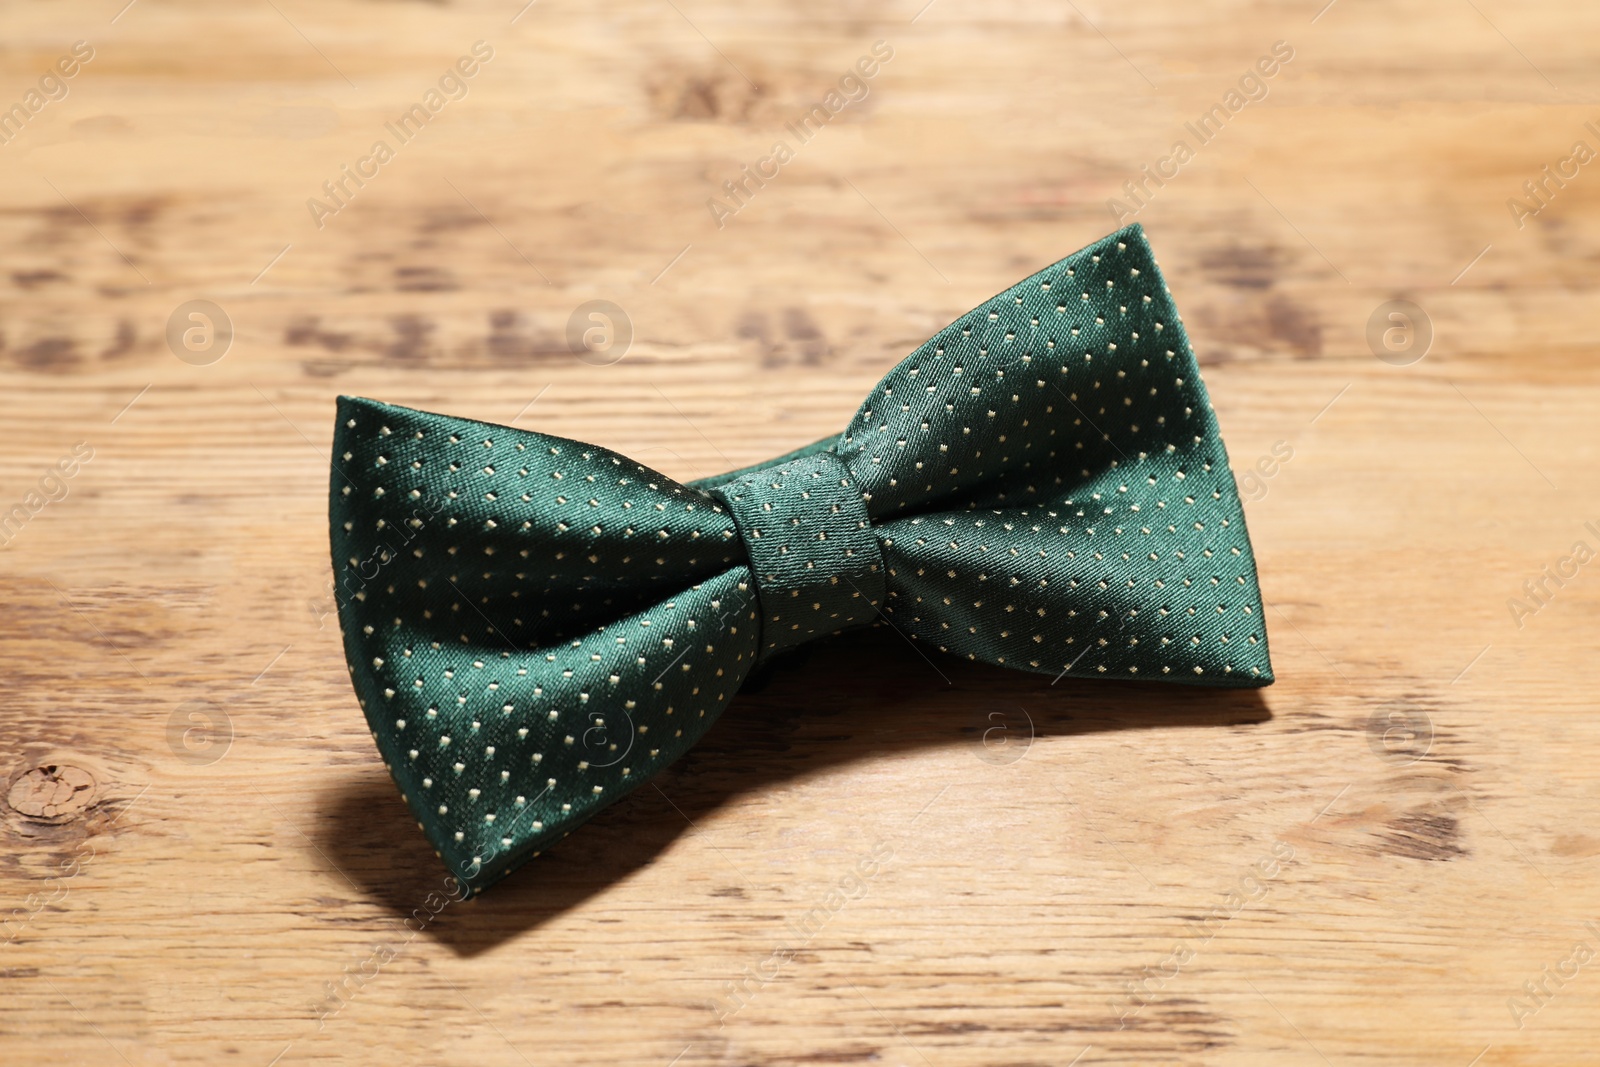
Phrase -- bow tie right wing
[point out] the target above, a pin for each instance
(1051, 489)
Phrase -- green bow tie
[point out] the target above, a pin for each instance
(535, 626)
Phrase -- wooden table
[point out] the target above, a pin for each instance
(1379, 860)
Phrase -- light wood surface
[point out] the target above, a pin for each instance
(898, 864)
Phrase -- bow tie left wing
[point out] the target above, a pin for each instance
(533, 626)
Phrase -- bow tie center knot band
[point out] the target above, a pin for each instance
(812, 548)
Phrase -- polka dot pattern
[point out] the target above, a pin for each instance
(1051, 489)
(534, 626)
(811, 546)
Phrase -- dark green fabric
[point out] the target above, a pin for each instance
(534, 626)
(811, 547)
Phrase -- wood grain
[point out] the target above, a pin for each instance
(873, 859)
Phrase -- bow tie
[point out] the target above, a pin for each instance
(535, 626)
